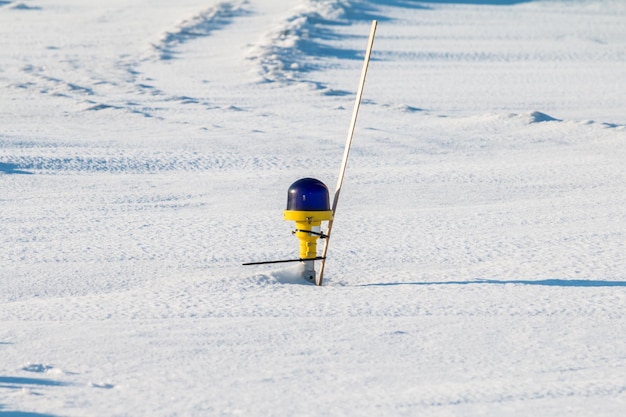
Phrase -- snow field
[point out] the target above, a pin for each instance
(477, 263)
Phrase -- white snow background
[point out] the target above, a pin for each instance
(477, 262)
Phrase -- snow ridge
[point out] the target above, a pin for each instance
(201, 24)
(286, 51)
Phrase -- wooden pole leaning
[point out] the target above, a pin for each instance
(346, 152)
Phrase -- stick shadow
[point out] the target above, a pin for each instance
(553, 282)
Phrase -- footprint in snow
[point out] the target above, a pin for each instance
(101, 386)
(37, 368)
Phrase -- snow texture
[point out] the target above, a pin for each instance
(477, 263)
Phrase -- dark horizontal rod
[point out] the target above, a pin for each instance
(322, 235)
(317, 258)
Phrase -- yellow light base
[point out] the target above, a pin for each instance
(308, 221)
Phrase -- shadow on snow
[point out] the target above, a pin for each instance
(11, 169)
(585, 283)
(22, 414)
(312, 31)
(19, 382)
(11, 382)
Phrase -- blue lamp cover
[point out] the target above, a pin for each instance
(308, 194)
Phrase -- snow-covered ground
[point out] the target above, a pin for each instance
(477, 265)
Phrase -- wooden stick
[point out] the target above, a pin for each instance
(346, 152)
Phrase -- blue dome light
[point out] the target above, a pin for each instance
(308, 194)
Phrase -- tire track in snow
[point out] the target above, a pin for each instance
(200, 25)
(61, 160)
(117, 83)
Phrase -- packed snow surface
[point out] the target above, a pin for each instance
(477, 260)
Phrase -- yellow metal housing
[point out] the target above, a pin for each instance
(307, 221)
(308, 216)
